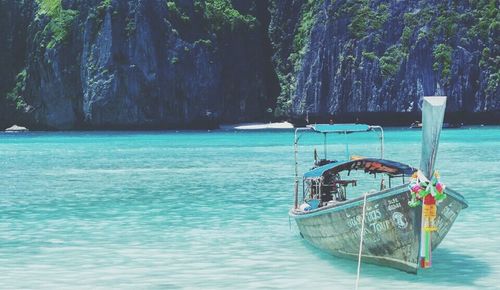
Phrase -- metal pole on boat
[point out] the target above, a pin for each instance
(346, 147)
(324, 144)
(295, 149)
(381, 143)
(432, 123)
(381, 136)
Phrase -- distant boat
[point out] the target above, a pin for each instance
(397, 232)
(452, 125)
(258, 126)
(16, 128)
(418, 125)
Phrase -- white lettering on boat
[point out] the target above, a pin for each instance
(373, 215)
(440, 224)
(381, 226)
(371, 236)
(449, 214)
(393, 204)
(353, 222)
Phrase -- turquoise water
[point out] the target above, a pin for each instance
(171, 210)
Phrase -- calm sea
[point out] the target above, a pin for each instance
(172, 210)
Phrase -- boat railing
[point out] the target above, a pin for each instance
(380, 132)
(338, 129)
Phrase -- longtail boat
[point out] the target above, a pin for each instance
(396, 224)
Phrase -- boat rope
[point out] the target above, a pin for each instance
(361, 240)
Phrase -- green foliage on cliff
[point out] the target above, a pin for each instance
(493, 82)
(15, 95)
(445, 24)
(60, 20)
(360, 22)
(97, 15)
(485, 15)
(442, 57)
(303, 31)
(105, 4)
(284, 100)
(50, 7)
(299, 48)
(391, 60)
(415, 23)
(490, 64)
(221, 14)
(177, 13)
(101, 8)
(369, 55)
(486, 26)
(364, 18)
(205, 42)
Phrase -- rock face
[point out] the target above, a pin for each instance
(14, 21)
(142, 64)
(105, 64)
(338, 57)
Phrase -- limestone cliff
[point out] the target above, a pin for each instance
(357, 56)
(137, 64)
(104, 64)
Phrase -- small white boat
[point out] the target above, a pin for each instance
(258, 126)
(16, 128)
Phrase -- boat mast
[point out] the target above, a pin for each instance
(432, 122)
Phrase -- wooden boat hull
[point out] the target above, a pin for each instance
(392, 228)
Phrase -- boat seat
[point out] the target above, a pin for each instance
(339, 193)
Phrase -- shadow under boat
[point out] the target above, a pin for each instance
(451, 268)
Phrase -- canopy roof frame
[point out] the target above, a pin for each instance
(371, 165)
(340, 128)
(345, 129)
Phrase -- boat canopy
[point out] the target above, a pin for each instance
(340, 128)
(371, 165)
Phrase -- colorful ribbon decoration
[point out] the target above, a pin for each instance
(420, 187)
(430, 193)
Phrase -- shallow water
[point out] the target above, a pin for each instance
(172, 210)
